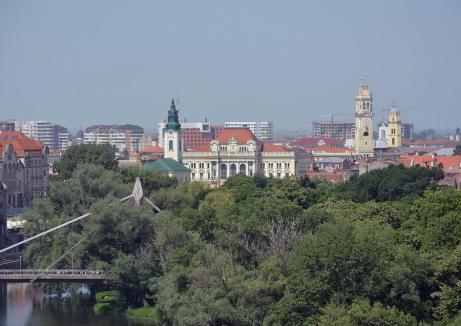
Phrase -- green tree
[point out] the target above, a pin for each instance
(389, 184)
(86, 153)
(363, 313)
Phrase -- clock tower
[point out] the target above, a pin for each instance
(364, 142)
(172, 135)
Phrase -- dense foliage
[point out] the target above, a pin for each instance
(382, 249)
(85, 153)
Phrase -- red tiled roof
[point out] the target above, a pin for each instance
(153, 150)
(201, 149)
(272, 148)
(447, 163)
(20, 142)
(241, 135)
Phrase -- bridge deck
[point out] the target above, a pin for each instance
(27, 275)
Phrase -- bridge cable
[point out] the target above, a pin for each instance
(57, 260)
(53, 229)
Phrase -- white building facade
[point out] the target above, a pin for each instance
(52, 135)
(263, 130)
(124, 137)
(237, 150)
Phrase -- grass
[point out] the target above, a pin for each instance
(107, 302)
(103, 308)
(145, 315)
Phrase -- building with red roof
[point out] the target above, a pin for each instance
(23, 169)
(152, 153)
(238, 150)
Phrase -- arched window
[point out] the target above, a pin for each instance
(233, 169)
(365, 134)
(223, 171)
(170, 145)
(242, 169)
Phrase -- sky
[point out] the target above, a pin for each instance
(84, 62)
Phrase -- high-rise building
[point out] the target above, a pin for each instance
(364, 142)
(262, 130)
(335, 130)
(124, 137)
(407, 130)
(52, 135)
(7, 125)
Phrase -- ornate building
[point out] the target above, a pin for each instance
(237, 150)
(232, 151)
(364, 142)
(23, 169)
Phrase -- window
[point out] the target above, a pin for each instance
(170, 145)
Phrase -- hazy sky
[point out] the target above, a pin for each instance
(83, 62)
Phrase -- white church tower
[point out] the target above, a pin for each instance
(172, 136)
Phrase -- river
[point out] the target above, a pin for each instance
(22, 304)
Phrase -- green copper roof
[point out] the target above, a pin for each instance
(173, 120)
(166, 165)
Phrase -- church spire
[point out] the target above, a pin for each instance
(173, 120)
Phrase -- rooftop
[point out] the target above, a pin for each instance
(241, 135)
(166, 165)
(20, 142)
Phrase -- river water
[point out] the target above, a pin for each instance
(22, 304)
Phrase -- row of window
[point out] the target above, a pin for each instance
(279, 165)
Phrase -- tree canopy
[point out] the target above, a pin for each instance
(380, 249)
(85, 154)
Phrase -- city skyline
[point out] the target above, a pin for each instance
(77, 64)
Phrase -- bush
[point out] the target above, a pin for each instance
(145, 315)
(108, 297)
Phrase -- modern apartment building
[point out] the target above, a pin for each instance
(262, 130)
(54, 136)
(124, 137)
(335, 130)
(7, 125)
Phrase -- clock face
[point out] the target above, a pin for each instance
(170, 131)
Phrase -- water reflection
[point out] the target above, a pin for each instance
(24, 304)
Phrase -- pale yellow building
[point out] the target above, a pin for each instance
(237, 150)
(364, 142)
(394, 126)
